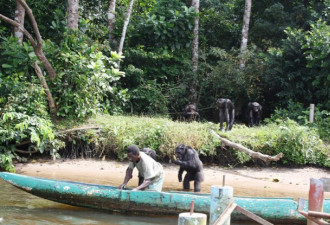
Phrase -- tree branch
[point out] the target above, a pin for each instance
(23, 143)
(15, 24)
(75, 129)
(26, 152)
(37, 46)
(33, 21)
(253, 154)
(51, 102)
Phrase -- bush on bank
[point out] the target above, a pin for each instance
(300, 145)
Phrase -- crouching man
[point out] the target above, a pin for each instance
(151, 170)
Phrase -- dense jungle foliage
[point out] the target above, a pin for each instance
(287, 68)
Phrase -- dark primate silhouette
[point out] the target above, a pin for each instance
(226, 113)
(190, 113)
(255, 113)
(188, 160)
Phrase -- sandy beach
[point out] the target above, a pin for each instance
(246, 181)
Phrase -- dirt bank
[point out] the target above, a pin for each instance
(266, 182)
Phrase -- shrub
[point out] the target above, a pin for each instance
(300, 145)
(300, 114)
(161, 134)
(86, 76)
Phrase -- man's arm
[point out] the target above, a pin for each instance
(128, 176)
(145, 184)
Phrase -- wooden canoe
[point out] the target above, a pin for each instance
(279, 210)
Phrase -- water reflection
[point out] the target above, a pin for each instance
(20, 208)
(39, 216)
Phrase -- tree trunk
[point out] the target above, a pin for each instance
(193, 87)
(195, 4)
(73, 14)
(253, 154)
(123, 34)
(245, 32)
(111, 20)
(19, 18)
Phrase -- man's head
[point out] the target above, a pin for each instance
(133, 153)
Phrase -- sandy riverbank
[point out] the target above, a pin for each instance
(266, 182)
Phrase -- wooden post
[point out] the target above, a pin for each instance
(319, 214)
(326, 184)
(221, 197)
(252, 216)
(192, 219)
(311, 113)
(315, 197)
(224, 216)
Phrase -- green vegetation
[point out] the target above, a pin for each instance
(300, 145)
(160, 134)
(287, 69)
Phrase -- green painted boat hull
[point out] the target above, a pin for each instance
(279, 210)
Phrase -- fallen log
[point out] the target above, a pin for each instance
(253, 154)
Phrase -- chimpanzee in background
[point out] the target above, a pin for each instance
(190, 113)
(226, 113)
(188, 160)
(254, 113)
(152, 154)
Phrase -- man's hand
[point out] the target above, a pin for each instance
(122, 186)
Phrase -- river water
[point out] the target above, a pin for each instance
(20, 208)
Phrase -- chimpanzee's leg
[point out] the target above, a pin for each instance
(187, 178)
(227, 118)
(198, 179)
(258, 118)
(197, 186)
(221, 118)
(251, 118)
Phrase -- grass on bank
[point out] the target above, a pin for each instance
(300, 145)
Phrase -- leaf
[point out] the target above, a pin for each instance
(32, 54)
(6, 66)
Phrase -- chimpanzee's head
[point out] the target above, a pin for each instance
(180, 150)
(149, 152)
(255, 106)
(221, 102)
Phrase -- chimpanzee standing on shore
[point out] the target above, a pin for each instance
(188, 160)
